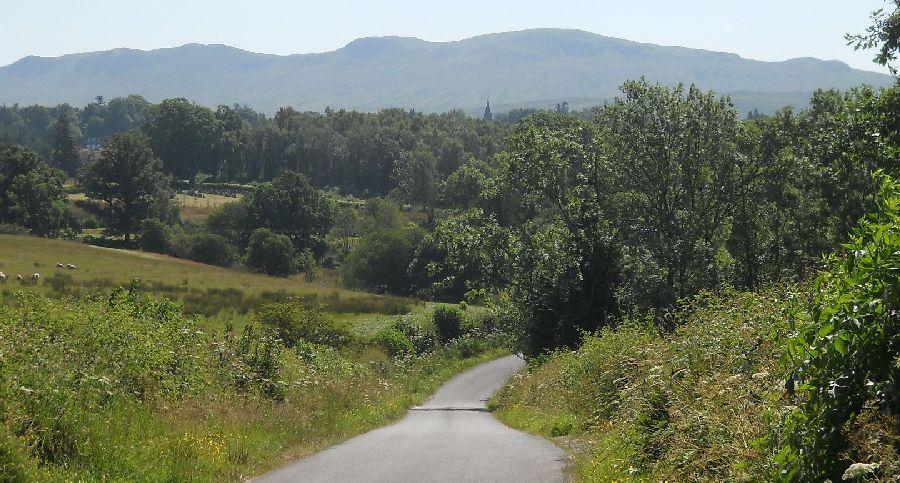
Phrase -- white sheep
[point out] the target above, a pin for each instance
(19, 277)
(59, 265)
(35, 277)
(71, 267)
(2, 277)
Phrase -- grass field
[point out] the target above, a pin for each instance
(220, 294)
(198, 209)
(192, 207)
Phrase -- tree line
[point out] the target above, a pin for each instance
(391, 152)
(575, 218)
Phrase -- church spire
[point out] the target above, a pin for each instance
(487, 112)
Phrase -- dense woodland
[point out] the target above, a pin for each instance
(652, 198)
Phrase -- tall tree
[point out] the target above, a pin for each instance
(31, 192)
(289, 205)
(131, 182)
(184, 136)
(64, 151)
(676, 157)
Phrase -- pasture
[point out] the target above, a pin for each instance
(192, 208)
(197, 209)
(221, 295)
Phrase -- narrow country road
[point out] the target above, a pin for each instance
(450, 438)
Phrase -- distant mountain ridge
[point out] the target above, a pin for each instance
(531, 67)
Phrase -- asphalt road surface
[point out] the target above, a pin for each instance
(450, 438)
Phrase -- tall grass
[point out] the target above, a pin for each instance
(120, 386)
(702, 403)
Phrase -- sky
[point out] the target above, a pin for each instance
(770, 30)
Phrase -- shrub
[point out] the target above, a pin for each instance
(211, 249)
(260, 357)
(270, 253)
(90, 223)
(847, 357)
(153, 236)
(448, 321)
(394, 342)
(13, 229)
(292, 322)
(422, 340)
(381, 260)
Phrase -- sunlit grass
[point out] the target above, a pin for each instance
(219, 293)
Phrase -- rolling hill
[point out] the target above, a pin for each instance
(535, 68)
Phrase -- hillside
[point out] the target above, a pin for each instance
(222, 294)
(533, 67)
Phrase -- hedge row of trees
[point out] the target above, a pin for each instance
(664, 193)
(397, 152)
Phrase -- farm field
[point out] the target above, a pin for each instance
(198, 209)
(192, 208)
(221, 295)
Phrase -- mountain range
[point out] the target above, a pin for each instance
(529, 68)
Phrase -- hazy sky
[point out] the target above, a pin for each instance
(756, 29)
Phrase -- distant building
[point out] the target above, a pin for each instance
(93, 143)
(487, 112)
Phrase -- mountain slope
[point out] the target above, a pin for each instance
(541, 66)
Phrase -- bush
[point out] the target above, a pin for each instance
(380, 261)
(211, 249)
(422, 340)
(846, 358)
(153, 236)
(90, 223)
(448, 321)
(270, 253)
(13, 229)
(394, 342)
(292, 322)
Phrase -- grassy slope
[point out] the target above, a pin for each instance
(700, 404)
(201, 285)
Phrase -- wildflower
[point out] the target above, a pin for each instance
(859, 470)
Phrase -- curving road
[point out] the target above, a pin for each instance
(450, 438)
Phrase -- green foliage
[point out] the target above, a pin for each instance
(449, 322)
(270, 253)
(130, 180)
(64, 151)
(154, 236)
(883, 34)
(292, 321)
(119, 387)
(704, 402)
(464, 187)
(380, 261)
(232, 221)
(394, 342)
(258, 363)
(183, 135)
(60, 364)
(288, 205)
(563, 257)
(422, 340)
(211, 249)
(31, 193)
(382, 214)
(845, 358)
(680, 188)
